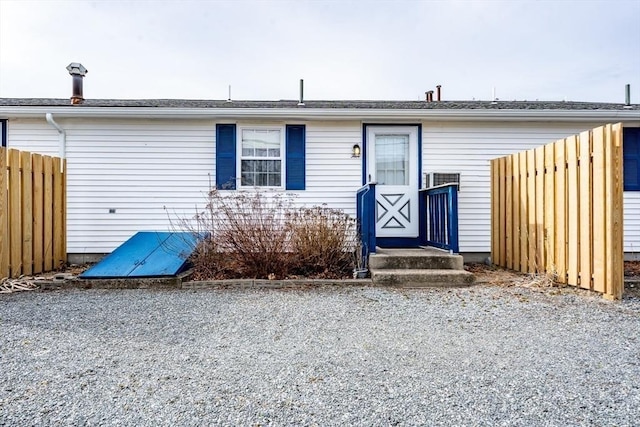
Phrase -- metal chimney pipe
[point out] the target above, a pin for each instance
(301, 100)
(438, 92)
(77, 72)
(627, 95)
(429, 96)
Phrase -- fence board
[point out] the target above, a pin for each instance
(26, 196)
(549, 208)
(531, 208)
(38, 212)
(32, 213)
(524, 214)
(59, 250)
(516, 213)
(558, 210)
(48, 213)
(495, 238)
(502, 210)
(584, 166)
(561, 211)
(539, 172)
(508, 237)
(599, 220)
(4, 215)
(15, 216)
(573, 207)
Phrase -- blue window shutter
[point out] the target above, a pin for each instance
(295, 165)
(226, 157)
(631, 166)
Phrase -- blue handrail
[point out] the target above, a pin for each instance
(442, 216)
(366, 215)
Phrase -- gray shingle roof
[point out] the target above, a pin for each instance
(375, 105)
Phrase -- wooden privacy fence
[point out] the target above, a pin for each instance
(32, 213)
(557, 210)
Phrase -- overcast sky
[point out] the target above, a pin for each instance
(579, 50)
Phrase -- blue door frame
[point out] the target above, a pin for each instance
(399, 242)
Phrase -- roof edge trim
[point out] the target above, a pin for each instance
(318, 114)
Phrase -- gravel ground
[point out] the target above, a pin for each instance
(484, 355)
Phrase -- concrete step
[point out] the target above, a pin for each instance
(422, 278)
(427, 258)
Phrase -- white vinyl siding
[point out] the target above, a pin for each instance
(139, 167)
(333, 176)
(152, 173)
(135, 167)
(632, 223)
(35, 135)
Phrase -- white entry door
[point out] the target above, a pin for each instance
(392, 162)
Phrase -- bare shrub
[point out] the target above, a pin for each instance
(208, 262)
(324, 242)
(248, 235)
(255, 235)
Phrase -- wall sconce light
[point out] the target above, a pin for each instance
(355, 151)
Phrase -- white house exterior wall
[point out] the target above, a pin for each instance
(33, 135)
(333, 176)
(140, 166)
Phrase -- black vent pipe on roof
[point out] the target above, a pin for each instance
(627, 95)
(429, 95)
(301, 100)
(77, 72)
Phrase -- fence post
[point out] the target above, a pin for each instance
(614, 190)
(453, 219)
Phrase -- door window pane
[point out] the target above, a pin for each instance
(392, 159)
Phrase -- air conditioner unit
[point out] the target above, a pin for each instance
(433, 179)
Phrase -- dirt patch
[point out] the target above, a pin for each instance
(496, 276)
(632, 269)
(492, 275)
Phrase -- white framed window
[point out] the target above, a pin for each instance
(261, 156)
